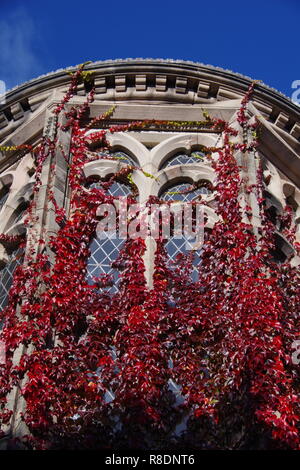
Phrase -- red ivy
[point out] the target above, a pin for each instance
(98, 367)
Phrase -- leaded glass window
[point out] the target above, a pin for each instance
(118, 155)
(20, 212)
(182, 247)
(117, 189)
(6, 275)
(106, 248)
(185, 159)
(184, 192)
(103, 253)
(176, 247)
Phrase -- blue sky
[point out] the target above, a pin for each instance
(258, 38)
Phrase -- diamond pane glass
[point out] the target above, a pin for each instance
(116, 189)
(182, 192)
(6, 275)
(179, 246)
(184, 159)
(104, 251)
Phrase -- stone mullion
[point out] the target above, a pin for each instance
(248, 163)
(58, 179)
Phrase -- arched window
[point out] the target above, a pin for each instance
(186, 192)
(181, 248)
(117, 189)
(4, 193)
(20, 212)
(282, 249)
(6, 274)
(274, 212)
(106, 247)
(185, 159)
(118, 155)
(273, 208)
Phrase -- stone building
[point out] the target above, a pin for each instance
(141, 89)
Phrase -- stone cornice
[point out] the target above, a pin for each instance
(155, 81)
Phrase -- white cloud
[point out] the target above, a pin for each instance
(18, 61)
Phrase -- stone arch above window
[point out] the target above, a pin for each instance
(102, 168)
(17, 185)
(116, 189)
(123, 157)
(14, 214)
(274, 182)
(183, 143)
(123, 142)
(191, 174)
(98, 170)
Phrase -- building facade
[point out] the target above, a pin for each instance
(165, 93)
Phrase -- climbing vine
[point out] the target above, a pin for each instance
(96, 368)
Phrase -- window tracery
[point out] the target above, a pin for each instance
(15, 195)
(191, 184)
(280, 194)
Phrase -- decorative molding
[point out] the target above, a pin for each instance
(50, 127)
(154, 80)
